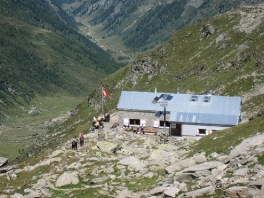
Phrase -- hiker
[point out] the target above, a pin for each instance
(81, 139)
(74, 143)
(100, 119)
(94, 120)
(107, 117)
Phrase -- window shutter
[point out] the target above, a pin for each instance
(156, 123)
(142, 122)
(126, 121)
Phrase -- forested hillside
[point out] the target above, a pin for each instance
(41, 54)
(140, 25)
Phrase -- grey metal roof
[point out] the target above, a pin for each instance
(219, 110)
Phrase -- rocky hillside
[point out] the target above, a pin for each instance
(118, 163)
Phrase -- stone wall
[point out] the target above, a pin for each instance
(150, 117)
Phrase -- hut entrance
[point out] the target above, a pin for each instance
(176, 129)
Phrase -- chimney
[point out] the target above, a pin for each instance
(178, 90)
(210, 92)
(155, 90)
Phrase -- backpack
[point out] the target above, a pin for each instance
(73, 141)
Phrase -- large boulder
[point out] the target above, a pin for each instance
(67, 178)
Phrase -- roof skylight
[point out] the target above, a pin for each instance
(194, 98)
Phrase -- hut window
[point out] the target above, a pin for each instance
(134, 121)
(202, 131)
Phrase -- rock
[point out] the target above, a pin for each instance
(149, 175)
(56, 153)
(106, 146)
(183, 187)
(35, 194)
(157, 155)
(67, 178)
(205, 166)
(17, 195)
(243, 147)
(185, 177)
(203, 191)
(74, 165)
(157, 190)
(3, 161)
(99, 180)
(207, 30)
(180, 165)
(172, 192)
(259, 184)
(112, 177)
(199, 158)
(241, 172)
(223, 158)
(219, 38)
(214, 155)
(236, 191)
(109, 170)
(123, 194)
(132, 162)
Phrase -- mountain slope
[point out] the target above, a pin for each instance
(223, 54)
(42, 55)
(133, 26)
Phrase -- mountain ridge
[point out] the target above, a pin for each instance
(141, 25)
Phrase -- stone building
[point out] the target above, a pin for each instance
(185, 114)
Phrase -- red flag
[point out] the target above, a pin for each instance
(104, 93)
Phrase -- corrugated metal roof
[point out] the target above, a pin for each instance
(219, 109)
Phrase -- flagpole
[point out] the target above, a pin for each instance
(102, 102)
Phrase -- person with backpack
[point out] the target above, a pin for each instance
(74, 143)
(81, 139)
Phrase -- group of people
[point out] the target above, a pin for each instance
(99, 121)
(138, 130)
(75, 141)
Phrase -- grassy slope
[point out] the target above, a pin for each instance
(48, 64)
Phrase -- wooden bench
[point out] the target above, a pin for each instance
(151, 131)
